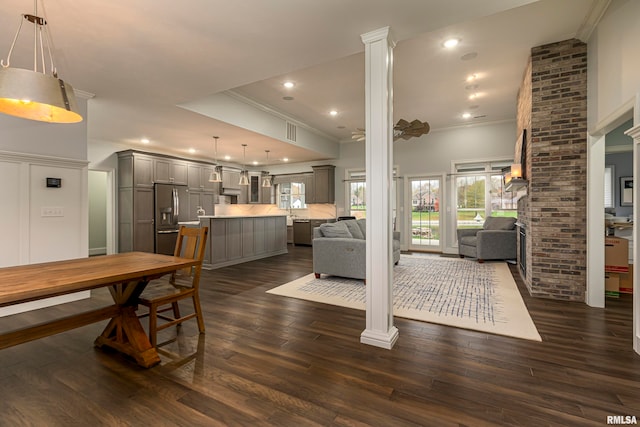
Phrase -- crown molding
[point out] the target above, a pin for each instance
(592, 19)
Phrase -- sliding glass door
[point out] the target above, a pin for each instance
(424, 215)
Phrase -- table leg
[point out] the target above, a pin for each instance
(124, 332)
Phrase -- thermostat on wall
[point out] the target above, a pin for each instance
(54, 182)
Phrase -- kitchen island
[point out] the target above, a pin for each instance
(237, 239)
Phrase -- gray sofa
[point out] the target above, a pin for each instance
(495, 240)
(339, 249)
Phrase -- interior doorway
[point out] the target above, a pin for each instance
(101, 212)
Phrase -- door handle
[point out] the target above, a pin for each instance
(167, 231)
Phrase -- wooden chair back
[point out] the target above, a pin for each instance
(191, 243)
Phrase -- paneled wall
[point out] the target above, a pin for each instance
(42, 223)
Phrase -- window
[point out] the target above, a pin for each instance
(480, 193)
(297, 195)
(357, 194)
(608, 187)
(356, 190)
(291, 195)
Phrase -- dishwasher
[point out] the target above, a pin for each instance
(301, 232)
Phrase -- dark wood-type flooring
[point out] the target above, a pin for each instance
(271, 360)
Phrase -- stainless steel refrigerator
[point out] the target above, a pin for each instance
(171, 207)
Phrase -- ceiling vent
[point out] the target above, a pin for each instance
(291, 132)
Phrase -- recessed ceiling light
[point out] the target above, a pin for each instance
(288, 98)
(466, 115)
(255, 162)
(286, 159)
(288, 85)
(473, 96)
(333, 113)
(192, 150)
(144, 140)
(451, 43)
(472, 77)
(227, 157)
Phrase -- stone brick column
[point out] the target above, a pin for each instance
(552, 107)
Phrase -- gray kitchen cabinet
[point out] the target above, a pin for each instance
(324, 190)
(136, 230)
(230, 178)
(201, 192)
(198, 178)
(254, 188)
(234, 240)
(170, 171)
(259, 237)
(289, 233)
(309, 190)
(248, 231)
(202, 199)
(265, 194)
(142, 170)
(217, 240)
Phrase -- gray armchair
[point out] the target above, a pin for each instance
(339, 249)
(495, 240)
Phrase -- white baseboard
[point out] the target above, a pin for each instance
(97, 251)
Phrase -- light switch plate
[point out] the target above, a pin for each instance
(52, 211)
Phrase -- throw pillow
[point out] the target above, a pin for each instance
(335, 229)
(499, 223)
(354, 229)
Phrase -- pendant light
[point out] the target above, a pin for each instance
(244, 178)
(215, 176)
(37, 94)
(266, 181)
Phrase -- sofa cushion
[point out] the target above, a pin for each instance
(468, 240)
(354, 229)
(499, 223)
(335, 229)
(362, 223)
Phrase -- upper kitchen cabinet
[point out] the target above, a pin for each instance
(135, 170)
(170, 171)
(254, 187)
(198, 178)
(324, 184)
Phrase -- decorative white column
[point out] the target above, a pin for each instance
(379, 45)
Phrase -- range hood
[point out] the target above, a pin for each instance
(226, 191)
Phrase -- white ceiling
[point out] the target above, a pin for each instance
(142, 59)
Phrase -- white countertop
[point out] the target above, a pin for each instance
(239, 216)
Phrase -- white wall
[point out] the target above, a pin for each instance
(30, 152)
(433, 154)
(614, 79)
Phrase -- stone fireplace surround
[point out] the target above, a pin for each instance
(552, 108)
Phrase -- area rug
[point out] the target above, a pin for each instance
(448, 291)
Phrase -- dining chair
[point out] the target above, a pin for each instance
(162, 295)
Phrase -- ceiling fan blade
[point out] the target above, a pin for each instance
(402, 123)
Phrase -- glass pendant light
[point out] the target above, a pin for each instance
(266, 181)
(244, 175)
(37, 94)
(216, 176)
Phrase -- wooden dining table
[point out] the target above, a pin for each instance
(125, 274)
